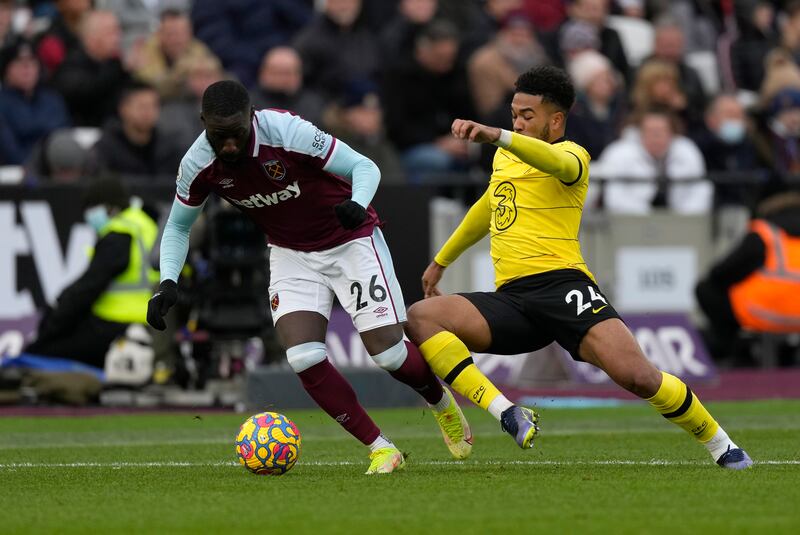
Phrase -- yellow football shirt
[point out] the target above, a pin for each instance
(532, 216)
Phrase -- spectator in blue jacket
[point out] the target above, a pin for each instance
(239, 32)
(28, 111)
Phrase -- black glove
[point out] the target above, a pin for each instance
(161, 302)
(350, 214)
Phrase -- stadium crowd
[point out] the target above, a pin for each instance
(668, 91)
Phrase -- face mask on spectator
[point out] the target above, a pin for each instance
(731, 131)
(96, 216)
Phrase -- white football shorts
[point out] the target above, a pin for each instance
(359, 273)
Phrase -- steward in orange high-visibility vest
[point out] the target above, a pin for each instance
(756, 287)
(769, 299)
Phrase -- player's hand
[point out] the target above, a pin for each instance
(160, 303)
(431, 277)
(350, 214)
(475, 132)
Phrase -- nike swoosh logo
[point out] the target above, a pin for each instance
(478, 400)
(596, 310)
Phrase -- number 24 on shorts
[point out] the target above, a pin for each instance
(578, 296)
(376, 292)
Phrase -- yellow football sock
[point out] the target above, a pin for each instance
(450, 359)
(676, 402)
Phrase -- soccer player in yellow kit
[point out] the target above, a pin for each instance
(545, 291)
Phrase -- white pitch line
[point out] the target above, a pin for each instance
(189, 464)
(96, 440)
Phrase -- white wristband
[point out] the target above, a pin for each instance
(504, 141)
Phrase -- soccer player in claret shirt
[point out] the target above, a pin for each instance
(545, 292)
(289, 178)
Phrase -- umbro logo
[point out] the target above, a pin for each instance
(226, 183)
(381, 311)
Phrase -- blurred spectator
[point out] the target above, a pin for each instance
(58, 159)
(91, 77)
(280, 85)
(494, 68)
(756, 285)
(595, 12)
(133, 144)
(790, 30)
(547, 15)
(397, 38)
(139, 18)
(29, 111)
(632, 8)
(697, 22)
(575, 37)
(240, 32)
(727, 144)
(62, 38)
(658, 84)
(598, 115)
(780, 72)
(180, 116)
(479, 26)
(422, 98)
(162, 55)
(778, 139)
(757, 36)
(337, 47)
(669, 47)
(6, 18)
(358, 121)
(646, 166)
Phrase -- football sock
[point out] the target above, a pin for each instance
(335, 396)
(449, 358)
(719, 444)
(442, 405)
(498, 405)
(416, 373)
(676, 402)
(380, 442)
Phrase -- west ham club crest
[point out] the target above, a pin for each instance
(275, 169)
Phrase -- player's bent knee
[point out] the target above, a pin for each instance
(301, 357)
(422, 323)
(394, 357)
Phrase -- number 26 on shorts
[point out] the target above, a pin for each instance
(376, 292)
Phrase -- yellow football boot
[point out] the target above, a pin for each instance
(386, 461)
(455, 429)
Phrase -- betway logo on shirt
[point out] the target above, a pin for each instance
(260, 200)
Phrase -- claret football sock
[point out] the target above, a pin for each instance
(334, 395)
(677, 403)
(416, 373)
(450, 359)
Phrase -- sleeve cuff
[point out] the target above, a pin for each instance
(504, 141)
(441, 261)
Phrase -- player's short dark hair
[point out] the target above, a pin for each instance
(225, 98)
(550, 83)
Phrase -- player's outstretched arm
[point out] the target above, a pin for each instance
(544, 156)
(473, 227)
(173, 250)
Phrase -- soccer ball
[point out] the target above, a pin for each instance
(268, 443)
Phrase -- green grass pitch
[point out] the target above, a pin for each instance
(611, 470)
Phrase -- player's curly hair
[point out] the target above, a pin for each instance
(225, 98)
(551, 83)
